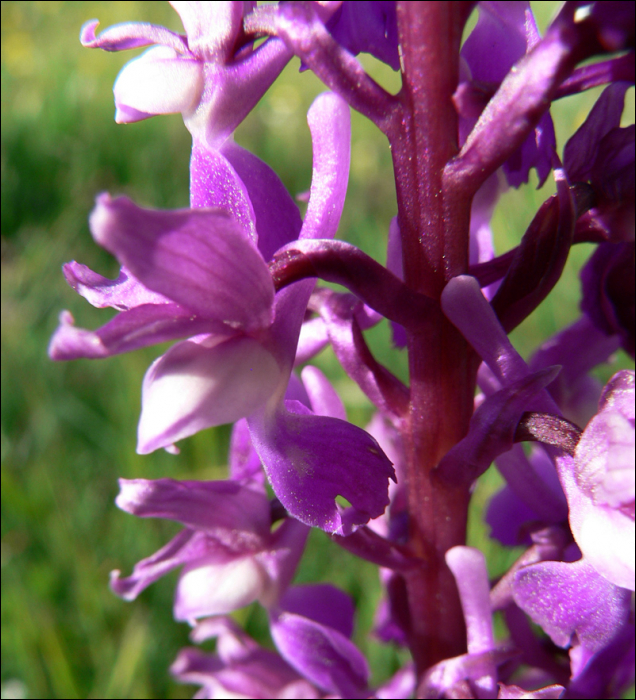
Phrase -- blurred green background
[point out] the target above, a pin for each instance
(69, 430)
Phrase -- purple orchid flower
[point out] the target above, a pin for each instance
(239, 362)
(229, 555)
(235, 276)
(212, 75)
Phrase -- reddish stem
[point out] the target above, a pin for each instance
(434, 222)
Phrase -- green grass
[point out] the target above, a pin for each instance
(69, 430)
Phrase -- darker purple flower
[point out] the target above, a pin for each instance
(367, 27)
(608, 291)
(601, 153)
(505, 32)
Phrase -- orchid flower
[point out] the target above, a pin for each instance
(234, 277)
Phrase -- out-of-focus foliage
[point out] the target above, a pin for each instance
(68, 430)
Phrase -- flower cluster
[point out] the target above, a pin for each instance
(233, 277)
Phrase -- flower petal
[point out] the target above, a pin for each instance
(321, 654)
(214, 183)
(130, 35)
(330, 125)
(567, 599)
(492, 427)
(122, 293)
(212, 27)
(201, 259)
(144, 325)
(277, 218)
(582, 149)
(312, 459)
(160, 81)
(201, 383)
(468, 566)
(210, 588)
(185, 547)
(323, 397)
(322, 603)
(236, 516)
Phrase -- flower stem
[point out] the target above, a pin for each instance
(434, 224)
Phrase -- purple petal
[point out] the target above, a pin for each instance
(330, 126)
(321, 654)
(212, 28)
(581, 151)
(237, 517)
(215, 184)
(201, 383)
(323, 604)
(311, 459)
(578, 348)
(538, 262)
(122, 293)
(599, 485)
(401, 685)
(605, 534)
(277, 218)
(131, 35)
(609, 671)
(323, 397)
(445, 679)
(129, 330)
(240, 668)
(200, 259)
(481, 246)
(618, 395)
(512, 692)
(339, 311)
(608, 298)
(468, 566)
(567, 599)
(498, 40)
(504, 33)
(533, 493)
(185, 547)
(281, 558)
(465, 305)
(233, 89)
(243, 460)
(509, 518)
(369, 27)
(605, 460)
(313, 338)
(160, 81)
(211, 588)
(367, 544)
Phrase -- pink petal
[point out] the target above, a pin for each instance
(201, 383)
(160, 81)
(198, 258)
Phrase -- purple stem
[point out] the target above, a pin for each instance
(343, 263)
(434, 223)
